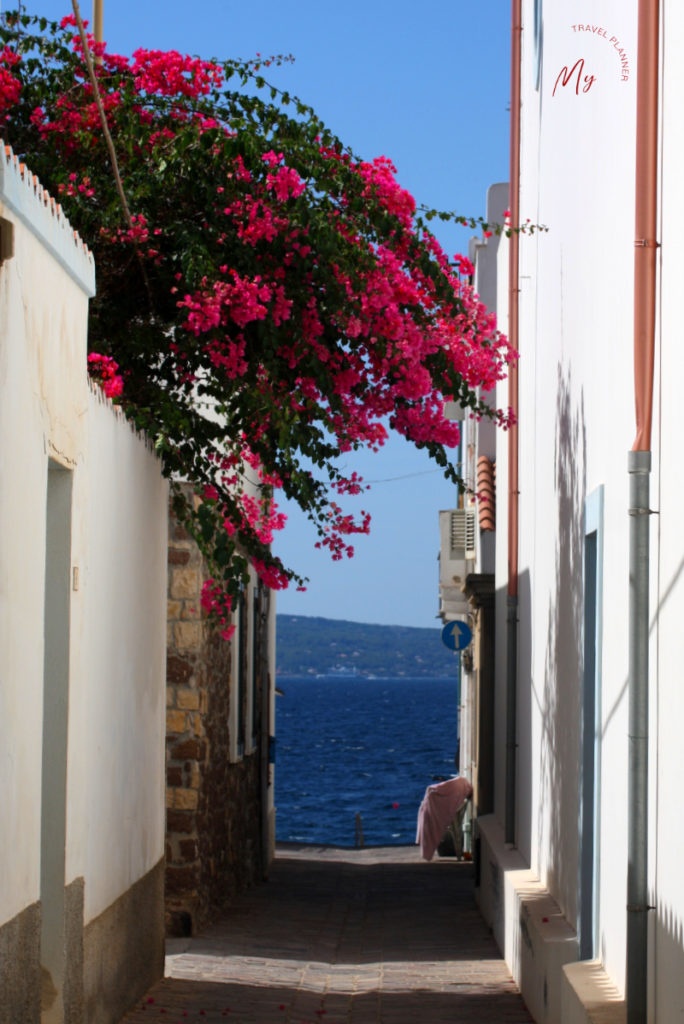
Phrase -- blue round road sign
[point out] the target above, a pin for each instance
(456, 635)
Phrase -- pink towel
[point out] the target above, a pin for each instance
(440, 803)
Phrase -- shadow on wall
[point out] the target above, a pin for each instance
(525, 749)
(561, 696)
(669, 952)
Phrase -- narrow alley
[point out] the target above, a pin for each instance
(360, 936)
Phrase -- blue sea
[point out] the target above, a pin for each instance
(353, 745)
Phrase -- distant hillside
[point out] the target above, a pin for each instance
(307, 645)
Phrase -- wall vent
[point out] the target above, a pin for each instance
(462, 533)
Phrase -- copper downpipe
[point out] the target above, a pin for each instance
(646, 219)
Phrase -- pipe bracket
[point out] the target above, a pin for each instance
(642, 512)
(646, 243)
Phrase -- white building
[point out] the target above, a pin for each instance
(468, 553)
(83, 548)
(553, 854)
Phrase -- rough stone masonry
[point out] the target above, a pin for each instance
(213, 803)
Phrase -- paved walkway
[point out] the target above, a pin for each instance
(354, 936)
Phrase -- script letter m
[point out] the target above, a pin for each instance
(565, 76)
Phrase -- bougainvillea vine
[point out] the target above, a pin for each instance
(271, 301)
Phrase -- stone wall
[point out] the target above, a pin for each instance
(213, 839)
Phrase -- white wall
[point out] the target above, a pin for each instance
(115, 826)
(576, 427)
(116, 766)
(42, 353)
(501, 557)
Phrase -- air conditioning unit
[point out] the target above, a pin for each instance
(457, 546)
(456, 560)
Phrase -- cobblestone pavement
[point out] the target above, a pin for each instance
(354, 936)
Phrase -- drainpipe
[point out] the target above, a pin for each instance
(639, 465)
(513, 295)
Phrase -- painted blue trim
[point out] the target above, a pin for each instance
(590, 756)
(593, 514)
(538, 24)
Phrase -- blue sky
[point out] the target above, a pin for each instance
(428, 86)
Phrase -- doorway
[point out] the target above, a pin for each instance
(590, 753)
(55, 732)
